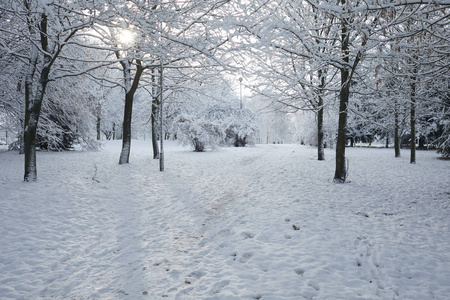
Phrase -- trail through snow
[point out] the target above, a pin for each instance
(262, 222)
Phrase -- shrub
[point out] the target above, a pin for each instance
(198, 132)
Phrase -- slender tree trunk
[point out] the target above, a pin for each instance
(396, 135)
(155, 105)
(161, 89)
(154, 129)
(98, 128)
(320, 133)
(413, 120)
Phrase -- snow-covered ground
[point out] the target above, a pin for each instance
(262, 222)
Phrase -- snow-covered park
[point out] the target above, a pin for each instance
(260, 222)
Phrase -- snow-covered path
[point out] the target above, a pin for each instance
(263, 222)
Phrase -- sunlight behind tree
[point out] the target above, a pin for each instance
(126, 37)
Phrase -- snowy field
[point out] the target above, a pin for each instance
(262, 222)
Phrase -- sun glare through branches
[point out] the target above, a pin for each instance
(126, 37)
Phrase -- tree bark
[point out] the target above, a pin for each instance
(130, 90)
(126, 129)
(396, 135)
(33, 100)
(340, 174)
(320, 133)
(155, 105)
(154, 131)
(98, 128)
(413, 120)
(32, 113)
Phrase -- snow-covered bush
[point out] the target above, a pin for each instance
(240, 125)
(198, 132)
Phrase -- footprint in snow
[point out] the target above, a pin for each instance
(247, 235)
(299, 271)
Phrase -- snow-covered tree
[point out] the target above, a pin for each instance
(148, 37)
(38, 32)
(329, 36)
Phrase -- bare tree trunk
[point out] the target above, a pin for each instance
(126, 129)
(130, 89)
(396, 135)
(341, 170)
(154, 128)
(32, 113)
(347, 70)
(413, 120)
(320, 133)
(161, 89)
(98, 128)
(33, 104)
(155, 105)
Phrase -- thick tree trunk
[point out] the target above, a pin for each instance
(341, 169)
(32, 114)
(340, 174)
(29, 138)
(130, 89)
(33, 104)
